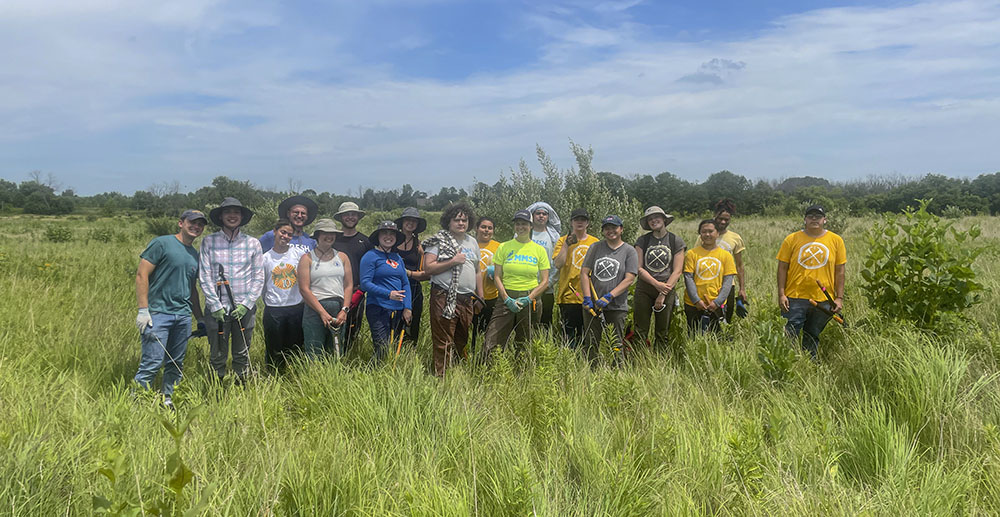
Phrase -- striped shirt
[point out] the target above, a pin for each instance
(243, 265)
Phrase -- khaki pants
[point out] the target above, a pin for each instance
(507, 325)
(449, 337)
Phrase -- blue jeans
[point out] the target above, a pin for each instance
(317, 340)
(385, 326)
(164, 345)
(808, 320)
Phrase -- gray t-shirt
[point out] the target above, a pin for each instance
(608, 268)
(658, 255)
(544, 240)
(470, 268)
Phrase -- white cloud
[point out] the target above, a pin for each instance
(845, 91)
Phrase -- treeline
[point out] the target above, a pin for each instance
(951, 196)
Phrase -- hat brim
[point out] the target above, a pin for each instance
(311, 207)
(216, 215)
(337, 216)
(335, 232)
(373, 237)
(421, 223)
(644, 222)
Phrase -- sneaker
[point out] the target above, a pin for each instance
(168, 403)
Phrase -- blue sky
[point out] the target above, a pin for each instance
(343, 95)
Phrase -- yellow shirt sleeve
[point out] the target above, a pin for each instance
(690, 260)
(785, 253)
(728, 264)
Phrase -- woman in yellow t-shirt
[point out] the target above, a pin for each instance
(521, 274)
(709, 272)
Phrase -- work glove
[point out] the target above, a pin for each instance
(239, 311)
(588, 302)
(603, 301)
(219, 315)
(524, 302)
(143, 320)
(512, 305)
(742, 308)
(489, 272)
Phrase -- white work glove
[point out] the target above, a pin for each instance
(143, 321)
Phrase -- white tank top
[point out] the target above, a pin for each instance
(326, 278)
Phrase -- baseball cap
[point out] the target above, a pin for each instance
(816, 209)
(194, 215)
(579, 213)
(611, 219)
(523, 215)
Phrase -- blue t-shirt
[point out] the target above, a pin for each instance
(302, 242)
(382, 273)
(175, 272)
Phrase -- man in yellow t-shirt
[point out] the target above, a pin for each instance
(487, 247)
(733, 243)
(805, 258)
(568, 256)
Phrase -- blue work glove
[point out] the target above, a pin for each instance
(489, 272)
(588, 302)
(219, 315)
(143, 320)
(525, 302)
(239, 312)
(603, 301)
(512, 305)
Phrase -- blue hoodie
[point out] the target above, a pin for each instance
(382, 273)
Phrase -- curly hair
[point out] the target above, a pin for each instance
(725, 205)
(452, 212)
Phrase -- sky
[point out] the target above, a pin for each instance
(338, 95)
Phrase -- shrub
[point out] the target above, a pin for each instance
(914, 272)
(58, 233)
(102, 235)
(953, 212)
(161, 226)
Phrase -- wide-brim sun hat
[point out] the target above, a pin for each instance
(325, 226)
(311, 207)
(216, 214)
(412, 213)
(651, 211)
(348, 206)
(386, 225)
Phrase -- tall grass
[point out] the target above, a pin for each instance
(890, 421)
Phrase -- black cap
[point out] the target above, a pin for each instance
(523, 215)
(611, 219)
(816, 209)
(579, 213)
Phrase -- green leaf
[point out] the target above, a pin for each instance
(101, 504)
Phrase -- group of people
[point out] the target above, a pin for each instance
(318, 288)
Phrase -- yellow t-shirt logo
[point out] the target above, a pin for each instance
(813, 255)
(485, 258)
(580, 253)
(708, 268)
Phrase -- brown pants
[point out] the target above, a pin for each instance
(449, 337)
(506, 325)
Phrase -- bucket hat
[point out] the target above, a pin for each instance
(651, 211)
(311, 207)
(412, 213)
(386, 225)
(216, 214)
(348, 206)
(325, 226)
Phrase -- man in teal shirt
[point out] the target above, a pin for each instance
(165, 290)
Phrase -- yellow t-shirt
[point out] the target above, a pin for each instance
(569, 274)
(521, 262)
(485, 260)
(709, 267)
(810, 260)
(731, 242)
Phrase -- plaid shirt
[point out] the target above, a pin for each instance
(243, 264)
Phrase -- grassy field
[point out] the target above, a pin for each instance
(890, 421)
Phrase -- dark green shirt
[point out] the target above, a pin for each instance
(175, 272)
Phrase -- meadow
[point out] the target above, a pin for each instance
(890, 421)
